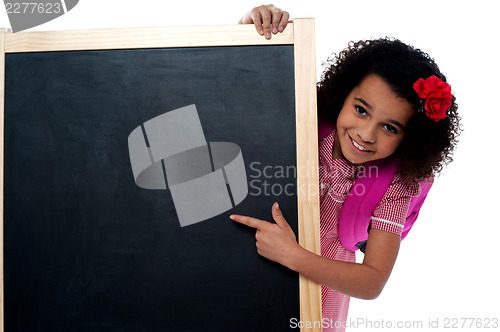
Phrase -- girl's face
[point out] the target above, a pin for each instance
(372, 122)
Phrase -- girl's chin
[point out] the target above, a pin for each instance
(356, 161)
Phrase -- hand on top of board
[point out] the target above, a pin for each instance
(267, 19)
(275, 241)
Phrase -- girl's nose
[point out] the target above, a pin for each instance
(368, 133)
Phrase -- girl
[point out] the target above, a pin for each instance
(387, 100)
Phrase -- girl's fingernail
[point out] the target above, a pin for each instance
(275, 30)
(231, 217)
(276, 205)
(280, 29)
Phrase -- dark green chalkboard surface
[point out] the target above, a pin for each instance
(86, 248)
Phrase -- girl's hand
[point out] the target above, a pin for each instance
(274, 241)
(266, 19)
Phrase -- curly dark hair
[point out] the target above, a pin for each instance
(427, 145)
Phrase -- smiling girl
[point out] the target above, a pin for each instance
(386, 100)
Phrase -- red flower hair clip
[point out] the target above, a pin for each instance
(436, 97)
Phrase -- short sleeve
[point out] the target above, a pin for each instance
(390, 214)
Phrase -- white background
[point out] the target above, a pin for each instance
(448, 266)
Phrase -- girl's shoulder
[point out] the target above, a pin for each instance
(401, 188)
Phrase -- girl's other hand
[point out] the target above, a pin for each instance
(266, 19)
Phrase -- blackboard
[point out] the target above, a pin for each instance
(85, 247)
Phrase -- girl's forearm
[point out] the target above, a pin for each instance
(353, 279)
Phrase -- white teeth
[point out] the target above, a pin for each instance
(359, 146)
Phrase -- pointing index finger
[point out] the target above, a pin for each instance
(249, 221)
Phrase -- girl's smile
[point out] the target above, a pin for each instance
(372, 122)
(359, 147)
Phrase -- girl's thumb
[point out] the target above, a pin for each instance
(278, 216)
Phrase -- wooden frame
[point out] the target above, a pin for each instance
(2, 103)
(300, 34)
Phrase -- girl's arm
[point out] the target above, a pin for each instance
(365, 280)
(277, 242)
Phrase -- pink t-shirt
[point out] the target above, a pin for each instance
(337, 176)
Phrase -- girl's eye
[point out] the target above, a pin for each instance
(391, 129)
(360, 110)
